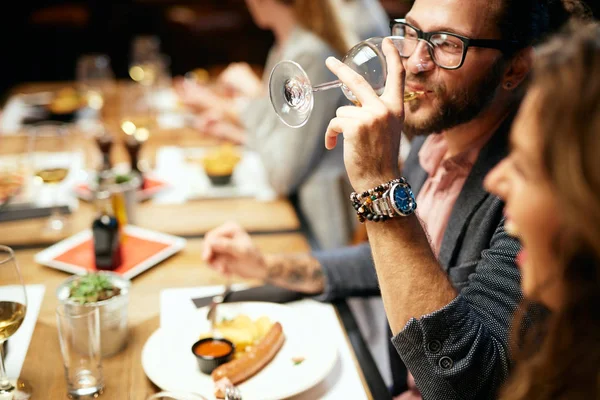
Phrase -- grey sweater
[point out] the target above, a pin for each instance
(295, 159)
(462, 350)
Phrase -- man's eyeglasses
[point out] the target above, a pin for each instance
(447, 50)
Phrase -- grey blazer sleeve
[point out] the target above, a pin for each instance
(462, 350)
(349, 271)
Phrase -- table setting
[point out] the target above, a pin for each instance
(116, 301)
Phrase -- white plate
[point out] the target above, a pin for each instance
(168, 360)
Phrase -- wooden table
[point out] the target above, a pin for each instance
(124, 375)
(125, 378)
(191, 219)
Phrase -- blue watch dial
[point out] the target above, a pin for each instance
(404, 200)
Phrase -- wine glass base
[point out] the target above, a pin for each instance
(21, 391)
(291, 93)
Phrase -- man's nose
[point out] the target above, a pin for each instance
(420, 60)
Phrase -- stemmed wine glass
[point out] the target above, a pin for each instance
(13, 306)
(291, 91)
(53, 155)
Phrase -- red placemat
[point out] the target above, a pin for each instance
(151, 186)
(135, 250)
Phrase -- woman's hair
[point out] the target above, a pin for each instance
(530, 22)
(564, 361)
(319, 17)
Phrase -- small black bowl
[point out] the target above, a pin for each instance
(220, 180)
(208, 363)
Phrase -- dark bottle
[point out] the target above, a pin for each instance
(106, 235)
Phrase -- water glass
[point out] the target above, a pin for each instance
(79, 335)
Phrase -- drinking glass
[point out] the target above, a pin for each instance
(79, 336)
(147, 65)
(14, 168)
(52, 156)
(138, 119)
(291, 91)
(95, 78)
(144, 46)
(13, 306)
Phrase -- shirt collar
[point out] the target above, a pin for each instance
(431, 155)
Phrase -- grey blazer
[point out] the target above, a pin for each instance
(460, 351)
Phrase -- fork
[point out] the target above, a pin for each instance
(232, 393)
(216, 300)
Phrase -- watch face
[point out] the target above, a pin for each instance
(404, 200)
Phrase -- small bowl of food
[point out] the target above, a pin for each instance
(211, 352)
(220, 164)
(65, 103)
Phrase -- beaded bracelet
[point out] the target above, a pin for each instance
(378, 204)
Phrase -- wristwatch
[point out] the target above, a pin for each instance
(399, 200)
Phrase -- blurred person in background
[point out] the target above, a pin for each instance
(550, 184)
(306, 31)
(366, 18)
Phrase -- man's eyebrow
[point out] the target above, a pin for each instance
(438, 29)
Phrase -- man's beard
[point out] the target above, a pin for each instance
(458, 108)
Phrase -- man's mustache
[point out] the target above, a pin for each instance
(422, 81)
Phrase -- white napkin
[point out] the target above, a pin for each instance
(342, 383)
(19, 342)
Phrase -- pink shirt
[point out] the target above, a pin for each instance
(441, 189)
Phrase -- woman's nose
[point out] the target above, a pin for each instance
(496, 181)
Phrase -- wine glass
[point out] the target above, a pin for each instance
(95, 78)
(52, 157)
(291, 91)
(13, 306)
(137, 121)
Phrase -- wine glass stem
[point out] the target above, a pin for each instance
(5, 384)
(54, 212)
(327, 86)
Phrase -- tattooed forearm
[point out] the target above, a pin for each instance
(300, 272)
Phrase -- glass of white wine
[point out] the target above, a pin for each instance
(291, 91)
(52, 156)
(13, 306)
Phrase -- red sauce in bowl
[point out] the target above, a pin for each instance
(212, 348)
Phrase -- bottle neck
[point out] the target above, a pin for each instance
(104, 204)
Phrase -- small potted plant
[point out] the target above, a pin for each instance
(107, 291)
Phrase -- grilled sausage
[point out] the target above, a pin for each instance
(254, 360)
